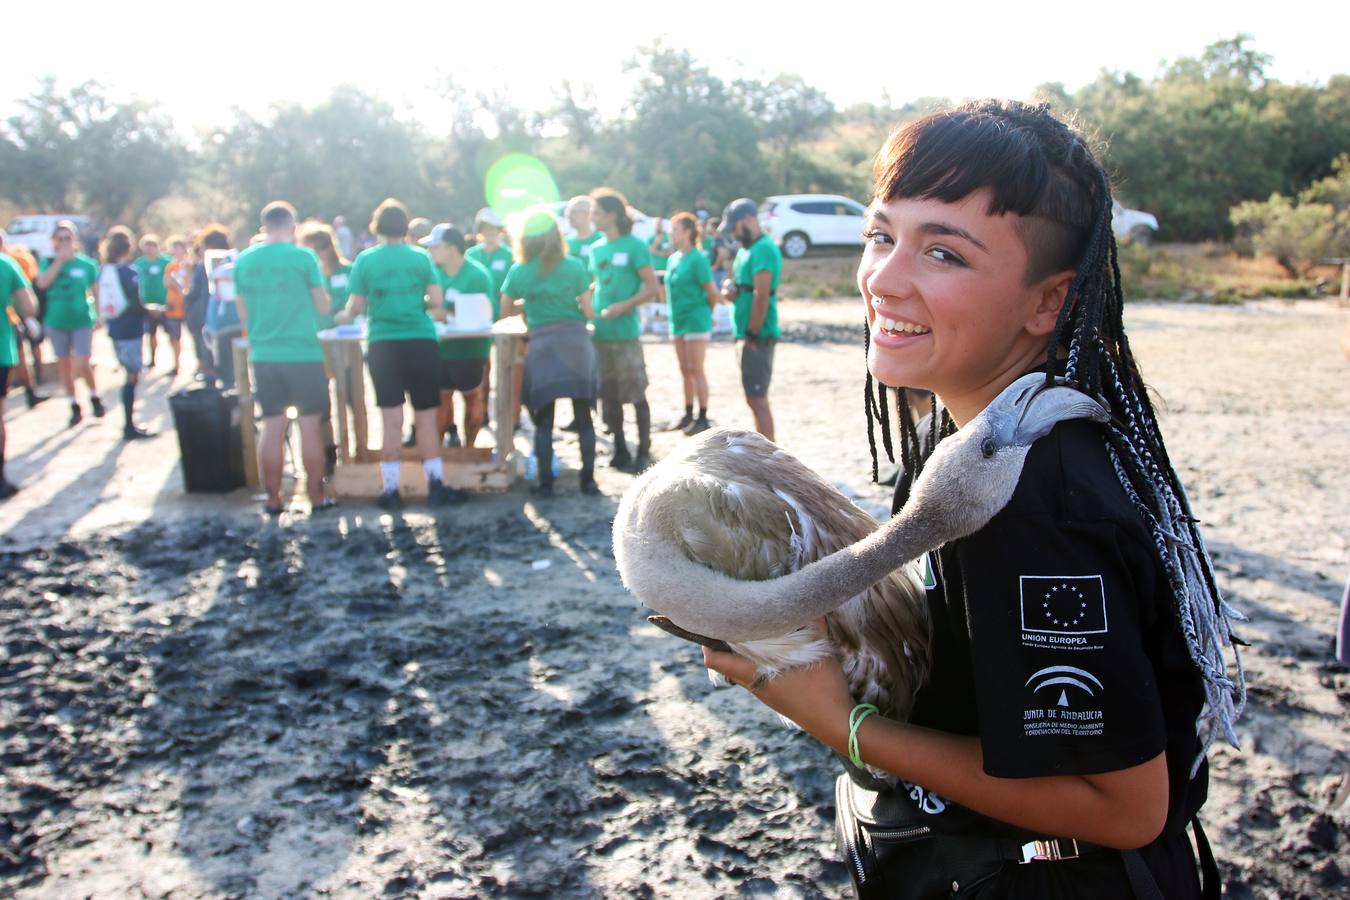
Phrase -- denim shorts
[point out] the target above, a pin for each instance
(67, 342)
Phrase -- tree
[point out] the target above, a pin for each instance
(80, 149)
(1316, 226)
(788, 112)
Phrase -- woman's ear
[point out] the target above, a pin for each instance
(1049, 301)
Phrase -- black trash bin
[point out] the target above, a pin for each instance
(207, 422)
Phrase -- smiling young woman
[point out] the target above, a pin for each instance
(1078, 670)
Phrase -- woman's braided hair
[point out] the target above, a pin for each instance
(1042, 170)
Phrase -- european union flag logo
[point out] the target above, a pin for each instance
(1063, 604)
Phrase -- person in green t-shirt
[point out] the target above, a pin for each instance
(621, 266)
(70, 280)
(753, 287)
(279, 293)
(337, 270)
(491, 251)
(660, 248)
(463, 360)
(398, 282)
(579, 217)
(17, 292)
(690, 298)
(553, 290)
(150, 266)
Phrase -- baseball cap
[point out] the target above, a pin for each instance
(446, 234)
(735, 211)
(487, 216)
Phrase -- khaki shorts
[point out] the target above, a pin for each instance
(756, 366)
(623, 371)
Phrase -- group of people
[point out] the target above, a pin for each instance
(580, 298)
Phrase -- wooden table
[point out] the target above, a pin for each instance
(479, 469)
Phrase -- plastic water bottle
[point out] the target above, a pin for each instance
(556, 467)
(531, 468)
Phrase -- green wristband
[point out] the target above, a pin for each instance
(855, 718)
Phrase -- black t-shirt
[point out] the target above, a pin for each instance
(1056, 642)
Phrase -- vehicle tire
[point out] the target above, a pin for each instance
(795, 245)
(1141, 235)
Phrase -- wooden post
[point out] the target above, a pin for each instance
(248, 435)
(505, 370)
(335, 358)
(357, 386)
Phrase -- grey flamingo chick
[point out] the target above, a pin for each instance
(732, 538)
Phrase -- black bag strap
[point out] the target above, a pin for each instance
(1210, 886)
(1142, 882)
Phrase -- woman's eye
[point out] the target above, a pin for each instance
(942, 254)
(872, 236)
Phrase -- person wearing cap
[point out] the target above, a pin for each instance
(398, 283)
(753, 288)
(579, 217)
(280, 293)
(621, 266)
(463, 360)
(490, 252)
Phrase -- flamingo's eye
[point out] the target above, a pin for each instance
(987, 447)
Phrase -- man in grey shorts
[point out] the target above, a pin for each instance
(753, 288)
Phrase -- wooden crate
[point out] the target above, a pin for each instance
(472, 470)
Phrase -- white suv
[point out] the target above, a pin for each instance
(802, 221)
(35, 232)
(1133, 225)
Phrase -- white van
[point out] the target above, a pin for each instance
(35, 232)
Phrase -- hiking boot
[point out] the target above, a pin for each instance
(135, 433)
(441, 494)
(620, 460)
(7, 489)
(589, 487)
(75, 415)
(697, 426)
(97, 406)
(641, 463)
(390, 500)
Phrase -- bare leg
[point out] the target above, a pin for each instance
(682, 349)
(445, 416)
(86, 372)
(763, 417)
(696, 352)
(65, 368)
(311, 450)
(272, 456)
(391, 443)
(428, 441)
(474, 409)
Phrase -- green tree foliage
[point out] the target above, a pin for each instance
(80, 150)
(1316, 226)
(341, 157)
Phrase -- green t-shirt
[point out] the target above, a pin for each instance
(275, 281)
(550, 297)
(339, 287)
(660, 242)
(710, 247)
(394, 280)
(150, 275)
(761, 256)
(686, 294)
(11, 280)
(581, 247)
(615, 265)
(471, 278)
(69, 306)
(498, 262)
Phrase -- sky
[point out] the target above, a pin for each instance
(252, 54)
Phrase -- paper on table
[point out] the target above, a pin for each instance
(473, 312)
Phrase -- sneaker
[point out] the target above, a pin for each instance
(390, 500)
(640, 463)
(452, 438)
(590, 488)
(75, 415)
(33, 397)
(7, 489)
(97, 406)
(441, 494)
(697, 426)
(135, 433)
(685, 421)
(620, 461)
